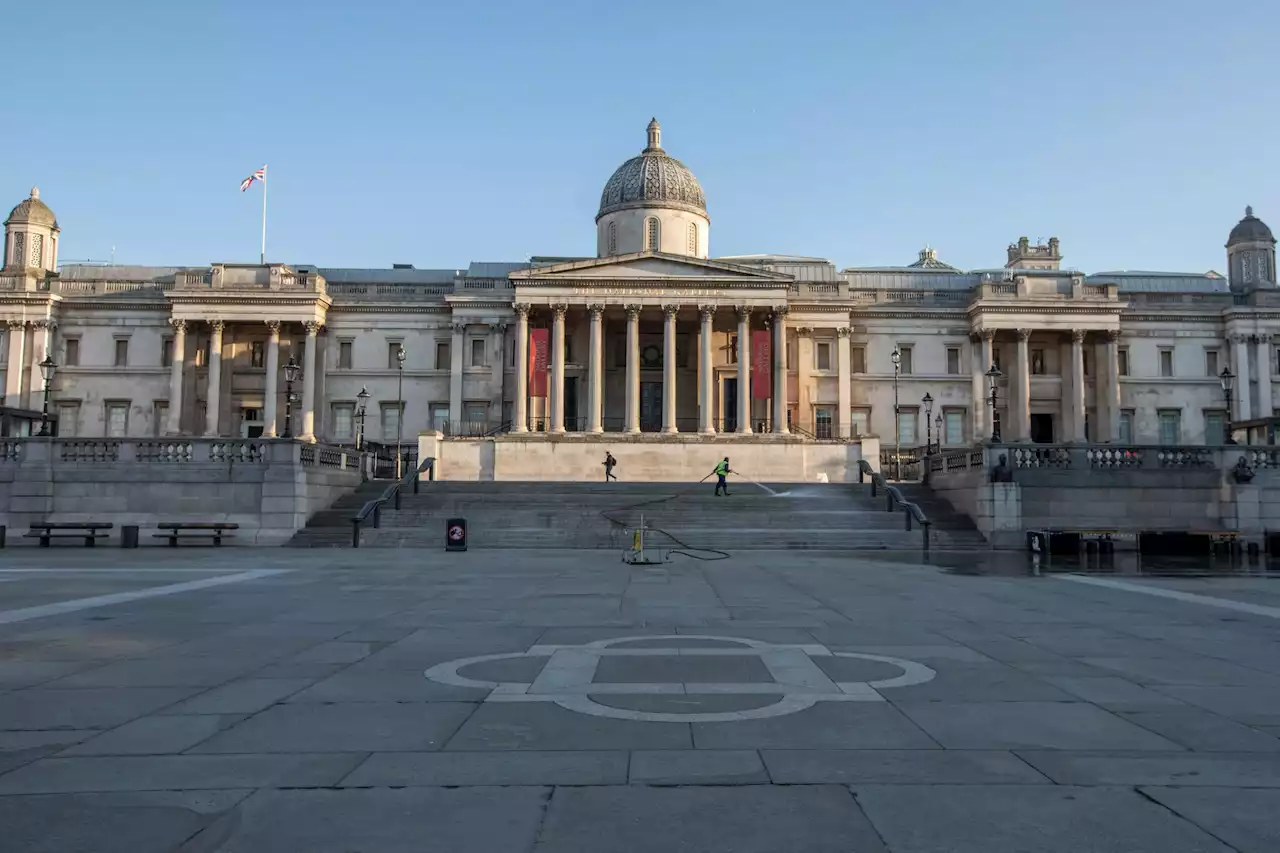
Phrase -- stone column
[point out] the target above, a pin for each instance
(633, 369)
(213, 387)
(706, 371)
(1077, 385)
(455, 377)
(1265, 405)
(557, 367)
(271, 393)
(173, 424)
(744, 369)
(520, 405)
(595, 371)
(843, 378)
(309, 384)
(1022, 370)
(1112, 339)
(1244, 409)
(780, 371)
(804, 362)
(978, 390)
(41, 338)
(669, 313)
(17, 331)
(497, 339)
(988, 358)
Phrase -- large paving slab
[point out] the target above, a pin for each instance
(773, 701)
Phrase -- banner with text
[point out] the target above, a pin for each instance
(539, 357)
(761, 358)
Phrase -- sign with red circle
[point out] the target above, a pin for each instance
(455, 533)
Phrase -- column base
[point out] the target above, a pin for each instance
(707, 431)
(519, 429)
(670, 431)
(783, 431)
(556, 431)
(635, 431)
(747, 431)
(595, 430)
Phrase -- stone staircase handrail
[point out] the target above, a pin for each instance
(372, 510)
(894, 499)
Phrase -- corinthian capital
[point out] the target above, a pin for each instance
(179, 326)
(633, 312)
(521, 309)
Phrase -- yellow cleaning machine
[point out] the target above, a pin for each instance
(638, 555)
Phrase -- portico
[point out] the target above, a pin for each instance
(667, 343)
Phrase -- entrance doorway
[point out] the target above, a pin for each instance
(650, 406)
(571, 422)
(730, 404)
(1042, 428)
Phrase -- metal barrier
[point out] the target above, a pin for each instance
(372, 510)
(894, 499)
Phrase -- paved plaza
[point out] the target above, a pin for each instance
(399, 702)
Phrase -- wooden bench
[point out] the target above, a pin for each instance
(89, 531)
(195, 530)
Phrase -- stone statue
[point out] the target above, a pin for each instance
(1242, 473)
(1002, 473)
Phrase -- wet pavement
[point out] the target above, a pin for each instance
(331, 701)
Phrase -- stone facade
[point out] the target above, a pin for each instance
(642, 340)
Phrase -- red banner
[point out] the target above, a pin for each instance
(539, 357)
(761, 361)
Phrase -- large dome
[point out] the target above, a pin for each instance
(1250, 229)
(652, 179)
(32, 210)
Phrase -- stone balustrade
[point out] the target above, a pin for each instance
(1105, 457)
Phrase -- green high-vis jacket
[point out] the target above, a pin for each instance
(722, 469)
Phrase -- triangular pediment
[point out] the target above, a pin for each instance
(647, 266)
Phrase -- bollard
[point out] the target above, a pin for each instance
(906, 511)
(455, 534)
(355, 533)
(397, 497)
(3, 531)
(129, 536)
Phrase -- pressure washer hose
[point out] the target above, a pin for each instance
(685, 548)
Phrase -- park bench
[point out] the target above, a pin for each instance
(89, 531)
(195, 530)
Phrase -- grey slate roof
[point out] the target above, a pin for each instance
(385, 276)
(94, 272)
(1139, 281)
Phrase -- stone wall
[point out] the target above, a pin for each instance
(1109, 487)
(647, 457)
(269, 487)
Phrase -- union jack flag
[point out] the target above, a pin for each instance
(260, 175)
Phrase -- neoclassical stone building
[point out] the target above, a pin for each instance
(653, 335)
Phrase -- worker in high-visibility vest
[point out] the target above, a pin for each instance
(722, 470)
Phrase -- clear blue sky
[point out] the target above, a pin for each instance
(440, 133)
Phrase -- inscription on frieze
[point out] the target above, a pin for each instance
(679, 292)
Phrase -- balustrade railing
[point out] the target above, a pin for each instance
(179, 451)
(1106, 457)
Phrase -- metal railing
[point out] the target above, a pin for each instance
(372, 510)
(894, 500)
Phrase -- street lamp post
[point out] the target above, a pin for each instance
(927, 402)
(938, 423)
(993, 376)
(363, 397)
(896, 357)
(47, 369)
(1227, 378)
(400, 357)
(291, 371)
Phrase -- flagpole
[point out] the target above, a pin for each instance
(263, 257)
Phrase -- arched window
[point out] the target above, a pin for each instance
(651, 234)
(693, 238)
(613, 238)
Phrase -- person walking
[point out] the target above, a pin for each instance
(722, 470)
(609, 463)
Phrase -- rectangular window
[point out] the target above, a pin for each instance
(1215, 427)
(440, 417)
(1211, 363)
(68, 419)
(907, 419)
(159, 417)
(344, 415)
(257, 354)
(117, 420)
(477, 352)
(733, 351)
(824, 355)
(390, 422)
(71, 352)
(475, 414)
(442, 355)
(907, 361)
(122, 352)
(791, 355)
(859, 361)
(822, 421)
(860, 422)
(1126, 427)
(1037, 362)
(393, 351)
(166, 352)
(953, 425)
(1170, 426)
(299, 351)
(344, 354)
(509, 346)
(1088, 362)
(953, 360)
(1122, 355)
(1166, 362)
(995, 358)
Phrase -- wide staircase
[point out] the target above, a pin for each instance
(595, 515)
